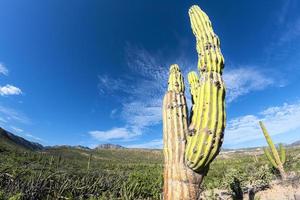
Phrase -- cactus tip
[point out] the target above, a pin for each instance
(176, 83)
(193, 8)
(174, 68)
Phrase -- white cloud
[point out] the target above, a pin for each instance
(153, 144)
(242, 81)
(278, 120)
(3, 69)
(9, 90)
(113, 134)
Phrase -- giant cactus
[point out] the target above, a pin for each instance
(272, 154)
(191, 143)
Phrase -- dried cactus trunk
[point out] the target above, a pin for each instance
(190, 148)
(180, 182)
(272, 153)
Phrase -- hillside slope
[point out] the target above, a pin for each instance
(11, 141)
(109, 146)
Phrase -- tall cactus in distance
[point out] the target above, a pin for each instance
(272, 154)
(89, 162)
(191, 143)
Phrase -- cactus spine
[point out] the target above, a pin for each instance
(191, 143)
(272, 154)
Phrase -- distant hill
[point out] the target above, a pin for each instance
(297, 143)
(67, 147)
(10, 140)
(109, 146)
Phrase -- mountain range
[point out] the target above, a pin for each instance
(10, 140)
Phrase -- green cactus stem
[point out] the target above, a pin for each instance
(51, 160)
(255, 158)
(89, 162)
(272, 154)
(191, 143)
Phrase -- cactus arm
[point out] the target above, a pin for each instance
(270, 143)
(175, 82)
(208, 119)
(208, 45)
(268, 155)
(282, 153)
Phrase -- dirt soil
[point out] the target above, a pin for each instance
(277, 192)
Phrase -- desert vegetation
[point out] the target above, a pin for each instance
(62, 173)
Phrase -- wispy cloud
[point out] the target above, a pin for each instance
(141, 104)
(109, 85)
(144, 90)
(283, 12)
(285, 40)
(153, 144)
(29, 136)
(291, 33)
(278, 119)
(3, 69)
(113, 113)
(9, 90)
(241, 81)
(11, 115)
(32, 137)
(16, 129)
(2, 120)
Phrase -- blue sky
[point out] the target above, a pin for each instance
(90, 72)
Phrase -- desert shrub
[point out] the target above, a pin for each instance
(116, 174)
(1, 195)
(250, 176)
(223, 172)
(17, 196)
(143, 184)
